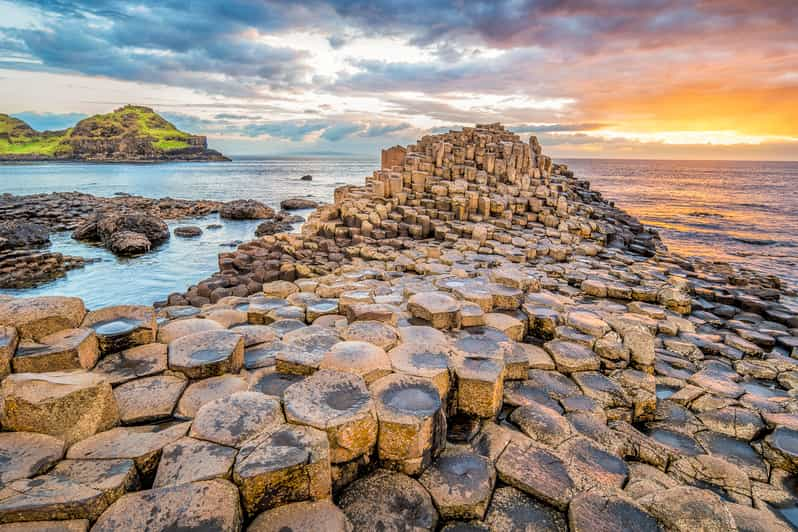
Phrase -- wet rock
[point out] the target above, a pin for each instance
(190, 460)
(15, 234)
(781, 448)
(423, 360)
(204, 391)
(338, 403)
(438, 308)
(26, 454)
(537, 472)
(306, 177)
(412, 422)
(591, 512)
(686, 509)
(514, 511)
(61, 351)
(245, 210)
(133, 363)
(37, 317)
(149, 398)
(460, 483)
(298, 203)
(388, 501)
(305, 515)
(128, 243)
(288, 463)
(122, 327)
(207, 354)
(142, 444)
(187, 231)
(206, 505)
(69, 406)
(361, 358)
(236, 418)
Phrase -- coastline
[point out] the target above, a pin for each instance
(472, 305)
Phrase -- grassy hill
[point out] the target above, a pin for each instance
(130, 133)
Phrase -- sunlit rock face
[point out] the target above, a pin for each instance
(474, 339)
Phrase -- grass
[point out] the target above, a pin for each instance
(17, 138)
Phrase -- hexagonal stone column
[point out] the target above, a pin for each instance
(25, 454)
(178, 328)
(412, 422)
(202, 392)
(388, 501)
(206, 505)
(9, 339)
(570, 357)
(511, 509)
(37, 317)
(207, 354)
(376, 332)
(480, 386)
(438, 308)
(537, 472)
(289, 463)
(361, 358)
(142, 444)
(306, 515)
(460, 483)
(122, 327)
(189, 460)
(234, 419)
(338, 403)
(61, 351)
(149, 398)
(423, 360)
(69, 406)
(140, 361)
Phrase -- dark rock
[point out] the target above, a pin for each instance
(245, 210)
(15, 234)
(188, 231)
(291, 204)
(129, 243)
(306, 177)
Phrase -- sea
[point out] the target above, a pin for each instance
(741, 212)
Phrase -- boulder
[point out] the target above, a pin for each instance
(148, 225)
(291, 204)
(69, 406)
(245, 210)
(187, 231)
(306, 177)
(126, 243)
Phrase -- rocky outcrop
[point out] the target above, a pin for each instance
(16, 234)
(130, 133)
(124, 234)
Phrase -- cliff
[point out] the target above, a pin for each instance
(130, 133)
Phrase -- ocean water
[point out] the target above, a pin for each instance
(741, 212)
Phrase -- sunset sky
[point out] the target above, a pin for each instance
(709, 79)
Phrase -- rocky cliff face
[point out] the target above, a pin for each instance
(131, 133)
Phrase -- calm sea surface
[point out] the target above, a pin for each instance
(742, 212)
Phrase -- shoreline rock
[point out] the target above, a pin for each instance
(472, 335)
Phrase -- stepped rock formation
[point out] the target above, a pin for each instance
(474, 340)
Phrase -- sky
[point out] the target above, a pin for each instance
(706, 79)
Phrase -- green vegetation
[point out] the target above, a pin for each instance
(127, 126)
